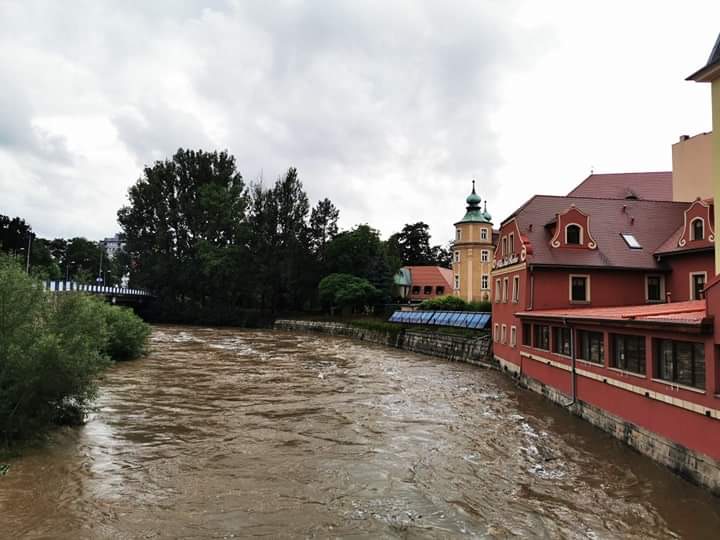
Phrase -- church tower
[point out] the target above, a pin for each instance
(473, 251)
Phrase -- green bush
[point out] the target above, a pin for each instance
(52, 349)
(347, 292)
(454, 303)
(127, 333)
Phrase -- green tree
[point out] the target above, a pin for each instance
(412, 246)
(186, 233)
(347, 292)
(323, 226)
(361, 253)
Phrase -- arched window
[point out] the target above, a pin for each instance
(698, 229)
(573, 234)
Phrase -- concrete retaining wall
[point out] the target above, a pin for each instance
(456, 348)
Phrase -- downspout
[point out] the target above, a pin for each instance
(573, 373)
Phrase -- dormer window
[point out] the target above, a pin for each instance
(573, 235)
(698, 229)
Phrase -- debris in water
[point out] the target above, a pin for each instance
(4, 469)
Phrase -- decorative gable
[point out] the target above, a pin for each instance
(697, 226)
(572, 230)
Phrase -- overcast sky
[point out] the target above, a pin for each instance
(389, 108)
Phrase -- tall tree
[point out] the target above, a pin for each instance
(185, 230)
(412, 247)
(323, 225)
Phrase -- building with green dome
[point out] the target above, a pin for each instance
(473, 251)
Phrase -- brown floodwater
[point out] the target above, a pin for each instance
(225, 433)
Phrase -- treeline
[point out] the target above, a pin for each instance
(76, 259)
(52, 349)
(216, 249)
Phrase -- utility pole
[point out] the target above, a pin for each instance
(27, 262)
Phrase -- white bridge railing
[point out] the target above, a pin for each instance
(71, 286)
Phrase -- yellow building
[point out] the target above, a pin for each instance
(711, 73)
(692, 168)
(473, 251)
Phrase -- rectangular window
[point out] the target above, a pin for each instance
(681, 362)
(511, 243)
(631, 241)
(654, 292)
(513, 336)
(561, 341)
(527, 334)
(628, 353)
(504, 246)
(505, 290)
(457, 282)
(484, 282)
(497, 290)
(496, 332)
(516, 289)
(483, 234)
(484, 255)
(541, 338)
(579, 288)
(697, 285)
(416, 289)
(503, 333)
(439, 290)
(458, 234)
(427, 289)
(456, 256)
(590, 346)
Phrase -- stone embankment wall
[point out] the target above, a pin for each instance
(456, 348)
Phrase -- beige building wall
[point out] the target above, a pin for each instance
(692, 167)
(468, 265)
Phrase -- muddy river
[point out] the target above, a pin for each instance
(235, 434)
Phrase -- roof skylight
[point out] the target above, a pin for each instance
(631, 241)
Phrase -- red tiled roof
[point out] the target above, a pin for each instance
(431, 275)
(651, 222)
(648, 186)
(693, 312)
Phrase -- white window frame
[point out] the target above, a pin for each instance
(587, 288)
(662, 289)
(498, 290)
(516, 289)
(511, 243)
(485, 282)
(503, 333)
(692, 288)
(692, 229)
(483, 233)
(505, 283)
(504, 246)
(496, 332)
(582, 234)
(484, 255)
(513, 336)
(458, 234)
(457, 282)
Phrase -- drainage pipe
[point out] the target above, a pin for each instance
(573, 356)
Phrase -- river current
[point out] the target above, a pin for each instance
(226, 433)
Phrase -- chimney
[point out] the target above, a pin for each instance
(684, 137)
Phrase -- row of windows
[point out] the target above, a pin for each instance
(508, 244)
(483, 233)
(484, 256)
(680, 362)
(500, 334)
(484, 282)
(501, 289)
(579, 288)
(428, 289)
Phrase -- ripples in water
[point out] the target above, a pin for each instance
(222, 432)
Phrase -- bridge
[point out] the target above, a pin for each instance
(114, 294)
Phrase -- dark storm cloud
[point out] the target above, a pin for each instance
(376, 103)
